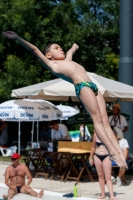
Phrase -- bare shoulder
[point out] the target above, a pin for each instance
(9, 168)
(23, 166)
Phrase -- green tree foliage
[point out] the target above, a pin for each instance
(93, 24)
(101, 33)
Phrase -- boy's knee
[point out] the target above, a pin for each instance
(106, 120)
(97, 116)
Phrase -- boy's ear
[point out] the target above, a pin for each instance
(48, 55)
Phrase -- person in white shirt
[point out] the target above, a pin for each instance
(117, 120)
(58, 131)
(123, 143)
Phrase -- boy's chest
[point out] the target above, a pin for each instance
(63, 67)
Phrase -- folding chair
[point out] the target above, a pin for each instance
(8, 151)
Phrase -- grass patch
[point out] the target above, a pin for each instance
(8, 158)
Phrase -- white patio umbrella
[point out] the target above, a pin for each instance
(67, 111)
(22, 110)
(19, 110)
(60, 90)
(55, 113)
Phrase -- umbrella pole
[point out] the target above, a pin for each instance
(19, 133)
(32, 132)
(37, 128)
(84, 124)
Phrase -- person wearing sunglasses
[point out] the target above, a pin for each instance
(15, 179)
(118, 120)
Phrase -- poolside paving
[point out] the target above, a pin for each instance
(55, 189)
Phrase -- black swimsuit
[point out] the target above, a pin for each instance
(99, 144)
(18, 188)
(101, 157)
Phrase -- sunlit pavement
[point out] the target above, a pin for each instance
(55, 189)
(47, 196)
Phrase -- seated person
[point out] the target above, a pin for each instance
(45, 133)
(123, 143)
(15, 179)
(58, 131)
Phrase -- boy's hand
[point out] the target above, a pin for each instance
(75, 46)
(71, 51)
(10, 34)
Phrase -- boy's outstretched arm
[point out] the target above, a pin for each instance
(33, 49)
(71, 51)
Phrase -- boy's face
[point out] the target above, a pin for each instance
(55, 53)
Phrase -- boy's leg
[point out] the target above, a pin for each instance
(106, 124)
(91, 105)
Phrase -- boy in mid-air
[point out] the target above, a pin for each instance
(63, 67)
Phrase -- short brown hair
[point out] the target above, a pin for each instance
(47, 48)
(51, 123)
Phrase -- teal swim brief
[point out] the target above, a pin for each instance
(91, 85)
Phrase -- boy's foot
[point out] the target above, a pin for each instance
(40, 194)
(118, 160)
